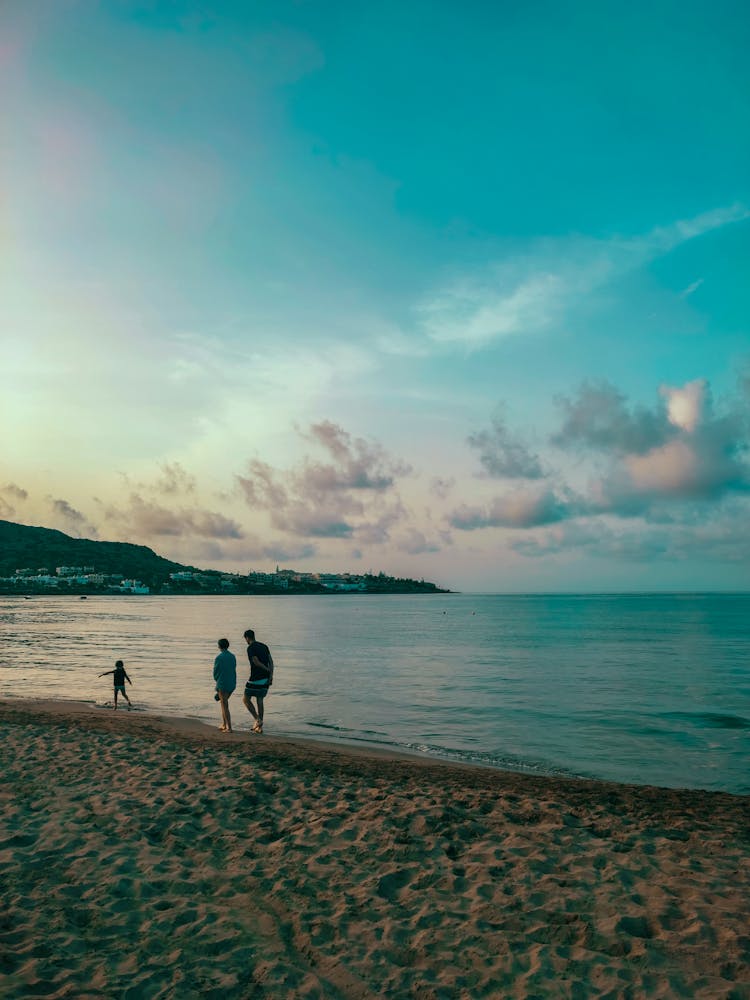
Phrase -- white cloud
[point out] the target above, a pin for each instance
(685, 406)
(662, 240)
(535, 286)
(477, 313)
(692, 287)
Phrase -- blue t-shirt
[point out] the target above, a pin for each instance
(225, 671)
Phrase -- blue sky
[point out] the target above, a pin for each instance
(448, 290)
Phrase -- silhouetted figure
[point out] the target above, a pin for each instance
(261, 673)
(225, 675)
(119, 678)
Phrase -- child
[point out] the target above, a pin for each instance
(119, 679)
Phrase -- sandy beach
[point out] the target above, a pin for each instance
(144, 857)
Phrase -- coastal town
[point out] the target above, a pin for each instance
(86, 579)
(36, 560)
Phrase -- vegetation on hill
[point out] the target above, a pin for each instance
(43, 550)
(25, 547)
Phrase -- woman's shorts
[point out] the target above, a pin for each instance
(256, 690)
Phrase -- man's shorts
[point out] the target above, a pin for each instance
(256, 690)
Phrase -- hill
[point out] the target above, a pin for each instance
(41, 550)
(23, 546)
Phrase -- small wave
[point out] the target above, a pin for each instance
(330, 725)
(727, 721)
(711, 720)
(501, 762)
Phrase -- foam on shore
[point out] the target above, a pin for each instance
(146, 856)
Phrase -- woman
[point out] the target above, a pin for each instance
(225, 675)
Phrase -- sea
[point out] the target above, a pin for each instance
(650, 689)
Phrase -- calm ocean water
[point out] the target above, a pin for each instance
(648, 689)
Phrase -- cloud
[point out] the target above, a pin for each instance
(703, 458)
(692, 287)
(415, 542)
(725, 540)
(477, 312)
(209, 524)
(522, 509)
(261, 489)
(598, 418)
(300, 520)
(361, 465)
(294, 506)
(536, 286)
(685, 406)
(664, 239)
(503, 456)
(440, 487)
(174, 479)
(70, 519)
(17, 492)
(252, 550)
(281, 552)
(19, 495)
(705, 468)
(378, 529)
(681, 455)
(335, 499)
(146, 519)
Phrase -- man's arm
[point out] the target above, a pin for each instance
(259, 663)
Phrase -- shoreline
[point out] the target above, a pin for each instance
(163, 725)
(360, 747)
(144, 855)
(101, 716)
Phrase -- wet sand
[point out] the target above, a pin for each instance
(149, 857)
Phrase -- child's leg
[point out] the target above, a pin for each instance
(115, 699)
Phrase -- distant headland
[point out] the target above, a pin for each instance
(43, 561)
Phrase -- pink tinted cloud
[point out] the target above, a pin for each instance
(519, 509)
(344, 497)
(146, 519)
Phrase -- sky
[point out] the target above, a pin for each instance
(453, 291)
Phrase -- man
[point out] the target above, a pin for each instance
(261, 670)
(225, 675)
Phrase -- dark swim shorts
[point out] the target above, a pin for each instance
(256, 690)
(119, 688)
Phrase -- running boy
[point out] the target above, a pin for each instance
(119, 678)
